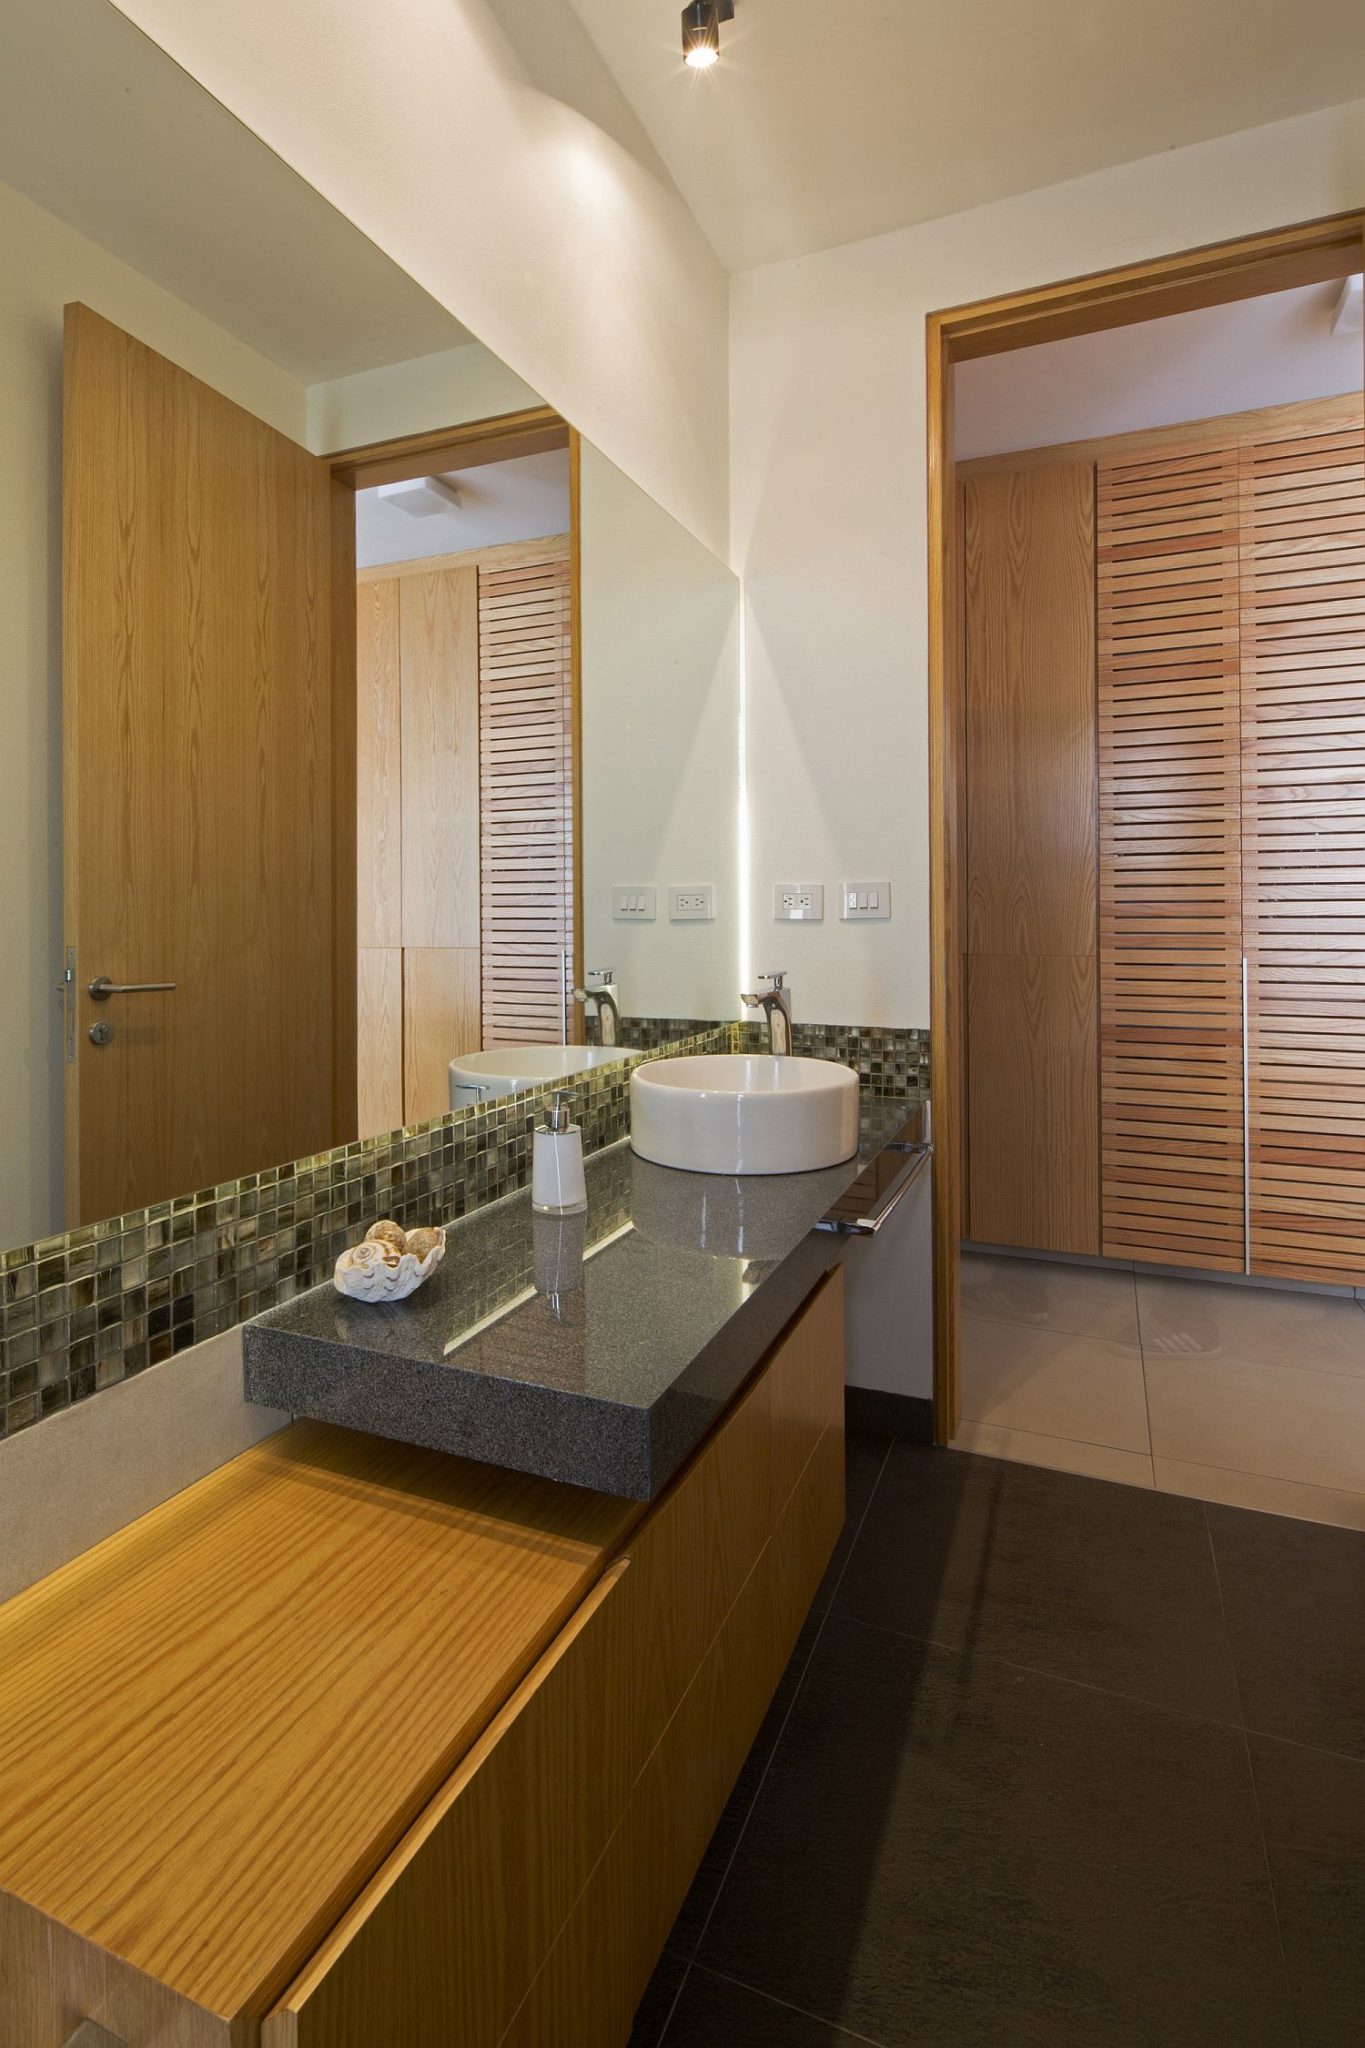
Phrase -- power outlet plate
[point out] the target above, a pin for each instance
(798, 902)
(864, 902)
(634, 903)
(692, 903)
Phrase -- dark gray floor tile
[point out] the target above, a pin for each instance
(1294, 1596)
(657, 2004)
(865, 1456)
(1110, 1585)
(713, 2013)
(947, 1853)
(1313, 1812)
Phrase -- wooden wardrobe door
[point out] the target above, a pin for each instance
(1303, 851)
(526, 798)
(1170, 883)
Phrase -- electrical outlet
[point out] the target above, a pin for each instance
(798, 902)
(861, 901)
(634, 904)
(692, 902)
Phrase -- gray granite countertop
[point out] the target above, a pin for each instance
(596, 1349)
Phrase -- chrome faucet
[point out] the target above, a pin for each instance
(602, 1000)
(776, 1006)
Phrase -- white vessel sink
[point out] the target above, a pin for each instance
(744, 1113)
(483, 1076)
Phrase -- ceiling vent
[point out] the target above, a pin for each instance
(422, 497)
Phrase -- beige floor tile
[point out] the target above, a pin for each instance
(1257, 1325)
(1059, 1454)
(1304, 1426)
(1052, 1383)
(1253, 1490)
(1086, 1300)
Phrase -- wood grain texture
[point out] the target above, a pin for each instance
(439, 633)
(1033, 1105)
(440, 1021)
(1170, 877)
(536, 430)
(1224, 430)
(344, 750)
(379, 774)
(508, 554)
(199, 774)
(273, 1674)
(527, 806)
(1303, 851)
(379, 1080)
(1029, 550)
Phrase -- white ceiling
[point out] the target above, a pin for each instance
(1265, 351)
(828, 120)
(524, 499)
(99, 126)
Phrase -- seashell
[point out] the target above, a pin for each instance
(387, 1232)
(376, 1271)
(420, 1242)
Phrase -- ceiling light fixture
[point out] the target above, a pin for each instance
(701, 22)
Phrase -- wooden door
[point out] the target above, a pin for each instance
(1029, 664)
(1303, 851)
(198, 781)
(1170, 883)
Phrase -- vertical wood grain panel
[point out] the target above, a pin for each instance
(440, 1020)
(199, 776)
(380, 1035)
(527, 784)
(379, 781)
(1303, 851)
(1170, 903)
(1030, 711)
(1030, 1136)
(439, 635)
(1033, 1136)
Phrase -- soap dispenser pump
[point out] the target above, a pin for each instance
(558, 1187)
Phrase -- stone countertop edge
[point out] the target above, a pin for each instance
(493, 1397)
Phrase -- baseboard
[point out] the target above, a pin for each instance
(908, 1416)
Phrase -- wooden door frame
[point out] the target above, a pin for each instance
(1220, 273)
(498, 438)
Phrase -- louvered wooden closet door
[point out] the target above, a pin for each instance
(1170, 885)
(526, 746)
(1303, 642)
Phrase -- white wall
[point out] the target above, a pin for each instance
(539, 231)
(828, 512)
(45, 264)
(445, 390)
(661, 711)
(1258, 352)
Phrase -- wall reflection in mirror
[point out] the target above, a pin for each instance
(360, 717)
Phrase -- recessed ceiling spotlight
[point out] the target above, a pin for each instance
(701, 22)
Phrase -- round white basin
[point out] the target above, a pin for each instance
(744, 1113)
(483, 1076)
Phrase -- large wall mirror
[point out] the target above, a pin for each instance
(359, 715)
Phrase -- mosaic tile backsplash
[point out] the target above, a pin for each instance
(82, 1312)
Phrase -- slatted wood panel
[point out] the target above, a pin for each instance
(526, 802)
(1170, 885)
(1303, 851)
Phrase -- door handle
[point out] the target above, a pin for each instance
(101, 988)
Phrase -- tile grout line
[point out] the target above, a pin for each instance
(1251, 1779)
(763, 1776)
(1146, 1390)
(785, 2004)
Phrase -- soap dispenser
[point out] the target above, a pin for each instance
(557, 1184)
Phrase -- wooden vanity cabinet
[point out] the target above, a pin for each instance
(528, 1898)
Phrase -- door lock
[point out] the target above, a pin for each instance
(101, 1033)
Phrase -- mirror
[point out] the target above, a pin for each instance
(356, 709)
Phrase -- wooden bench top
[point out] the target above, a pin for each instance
(215, 1725)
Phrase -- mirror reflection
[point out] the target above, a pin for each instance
(372, 740)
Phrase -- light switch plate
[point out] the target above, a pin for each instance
(691, 902)
(798, 902)
(634, 903)
(862, 902)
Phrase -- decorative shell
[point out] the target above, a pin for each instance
(389, 1233)
(378, 1271)
(420, 1242)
